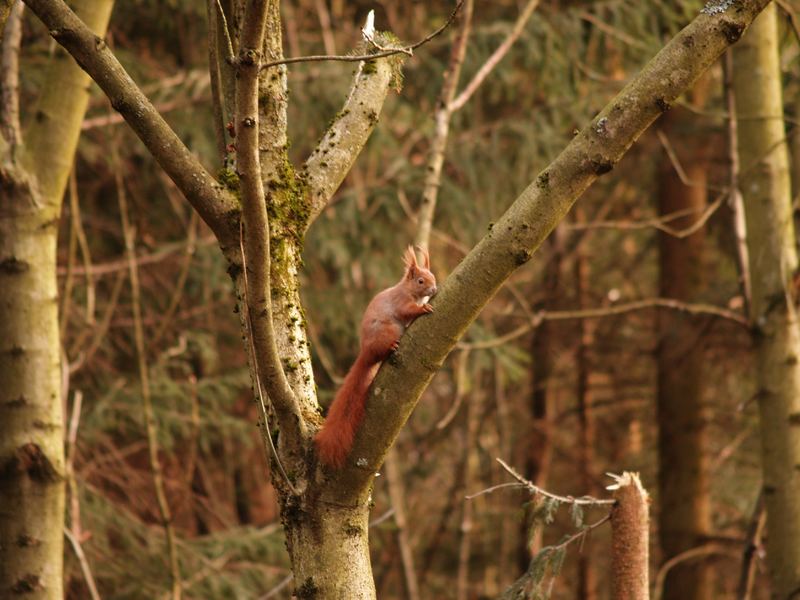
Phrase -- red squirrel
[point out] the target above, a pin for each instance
(386, 317)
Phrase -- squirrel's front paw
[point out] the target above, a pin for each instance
(427, 308)
(395, 346)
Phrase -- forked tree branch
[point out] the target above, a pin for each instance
(217, 207)
(514, 237)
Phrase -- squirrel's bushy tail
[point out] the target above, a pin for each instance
(335, 439)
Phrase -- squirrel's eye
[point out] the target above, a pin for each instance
(420, 281)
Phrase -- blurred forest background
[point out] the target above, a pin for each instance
(563, 396)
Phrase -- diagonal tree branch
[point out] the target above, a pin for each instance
(338, 149)
(217, 207)
(512, 240)
(256, 223)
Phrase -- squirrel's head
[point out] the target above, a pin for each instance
(419, 276)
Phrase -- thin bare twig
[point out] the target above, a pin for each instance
(424, 222)
(278, 588)
(583, 531)
(536, 490)
(496, 57)
(66, 293)
(83, 244)
(192, 445)
(144, 377)
(494, 488)
(438, 144)
(163, 252)
(325, 22)
(687, 555)
(735, 198)
(322, 354)
(163, 107)
(755, 530)
(74, 533)
(177, 294)
(69, 464)
(659, 223)
(383, 518)
(231, 55)
(676, 164)
(397, 496)
(103, 326)
(462, 378)
(359, 57)
(85, 569)
(217, 99)
(607, 311)
(691, 308)
(612, 31)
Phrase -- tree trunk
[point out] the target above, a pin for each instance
(773, 262)
(31, 422)
(629, 540)
(538, 448)
(31, 419)
(587, 579)
(684, 516)
(471, 466)
(329, 548)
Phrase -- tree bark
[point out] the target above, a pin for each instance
(684, 517)
(773, 263)
(329, 549)
(31, 420)
(587, 578)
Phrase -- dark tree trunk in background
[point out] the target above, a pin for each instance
(684, 517)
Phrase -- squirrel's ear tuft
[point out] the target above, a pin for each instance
(410, 260)
(426, 258)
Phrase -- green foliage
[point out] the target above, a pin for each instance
(537, 582)
(129, 555)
